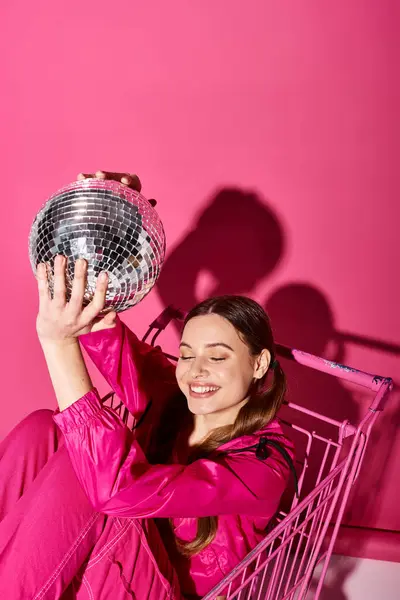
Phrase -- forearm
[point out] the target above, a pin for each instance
(68, 372)
(136, 371)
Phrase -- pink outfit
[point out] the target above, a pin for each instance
(109, 461)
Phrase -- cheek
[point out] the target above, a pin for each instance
(181, 372)
(243, 376)
(237, 377)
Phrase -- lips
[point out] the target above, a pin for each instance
(202, 391)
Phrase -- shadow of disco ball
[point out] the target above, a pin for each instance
(111, 226)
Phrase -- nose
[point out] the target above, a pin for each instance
(198, 368)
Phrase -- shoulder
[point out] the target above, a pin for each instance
(261, 457)
(271, 431)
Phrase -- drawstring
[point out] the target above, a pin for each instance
(262, 453)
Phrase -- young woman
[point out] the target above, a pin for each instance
(91, 509)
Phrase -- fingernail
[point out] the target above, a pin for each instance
(103, 276)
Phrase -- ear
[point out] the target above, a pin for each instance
(262, 363)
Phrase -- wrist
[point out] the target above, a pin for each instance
(54, 344)
(67, 370)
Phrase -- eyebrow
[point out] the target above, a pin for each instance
(184, 344)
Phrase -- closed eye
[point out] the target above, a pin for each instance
(213, 358)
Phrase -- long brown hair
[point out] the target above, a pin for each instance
(265, 397)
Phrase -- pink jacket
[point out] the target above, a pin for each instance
(110, 463)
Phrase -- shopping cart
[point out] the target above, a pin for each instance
(329, 456)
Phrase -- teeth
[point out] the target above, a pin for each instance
(198, 389)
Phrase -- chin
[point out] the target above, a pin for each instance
(196, 409)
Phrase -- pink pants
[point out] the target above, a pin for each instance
(53, 544)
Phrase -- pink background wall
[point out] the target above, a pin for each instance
(267, 132)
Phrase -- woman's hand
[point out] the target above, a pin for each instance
(129, 179)
(60, 322)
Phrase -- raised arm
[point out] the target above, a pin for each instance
(137, 372)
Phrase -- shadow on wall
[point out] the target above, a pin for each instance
(237, 242)
(302, 318)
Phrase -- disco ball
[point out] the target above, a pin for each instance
(111, 226)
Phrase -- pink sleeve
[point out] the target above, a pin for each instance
(118, 480)
(135, 371)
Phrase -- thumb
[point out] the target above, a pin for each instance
(107, 322)
(110, 318)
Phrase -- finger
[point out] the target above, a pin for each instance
(132, 181)
(107, 322)
(110, 318)
(99, 300)
(78, 286)
(82, 176)
(60, 288)
(43, 287)
(129, 179)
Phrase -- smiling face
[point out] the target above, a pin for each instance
(216, 368)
